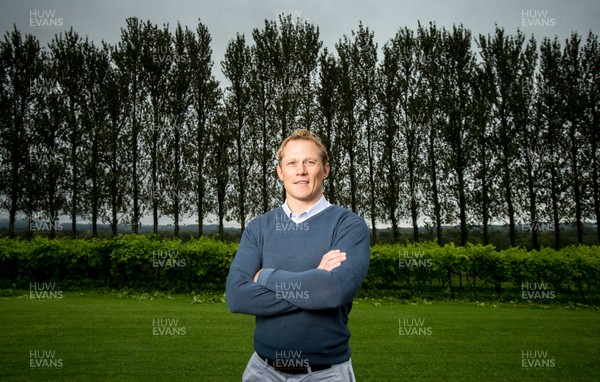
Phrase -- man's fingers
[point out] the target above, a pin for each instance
(332, 260)
(336, 253)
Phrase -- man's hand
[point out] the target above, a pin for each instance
(256, 276)
(332, 260)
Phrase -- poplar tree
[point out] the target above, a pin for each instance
(410, 117)
(174, 185)
(21, 64)
(285, 61)
(365, 63)
(48, 153)
(309, 48)
(220, 161)
(205, 101)
(573, 111)
(157, 59)
(327, 114)
(457, 89)
(501, 54)
(551, 118)
(430, 42)
(591, 89)
(532, 153)
(94, 120)
(388, 98)
(350, 133)
(237, 68)
(483, 154)
(263, 102)
(127, 57)
(117, 169)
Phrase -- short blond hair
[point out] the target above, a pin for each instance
(306, 135)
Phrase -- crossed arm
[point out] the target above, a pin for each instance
(329, 262)
(333, 283)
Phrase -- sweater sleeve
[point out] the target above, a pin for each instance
(242, 293)
(319, 288)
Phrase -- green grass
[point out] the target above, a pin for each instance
(110, 338)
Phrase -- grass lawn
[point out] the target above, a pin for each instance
(91, 336)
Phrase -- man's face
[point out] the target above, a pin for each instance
(302, 172)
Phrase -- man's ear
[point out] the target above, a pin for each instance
(326, 170)
(279, 172)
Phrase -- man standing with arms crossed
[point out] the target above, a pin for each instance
(297, 269)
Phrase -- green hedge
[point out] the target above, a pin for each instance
(426, 269)
(128, 261)
(415, 270)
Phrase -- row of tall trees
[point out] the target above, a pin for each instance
(437, 127)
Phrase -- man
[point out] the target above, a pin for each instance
(297, 269)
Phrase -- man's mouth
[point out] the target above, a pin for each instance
(301, 182)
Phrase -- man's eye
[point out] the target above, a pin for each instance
(310, 163)
(291, 164)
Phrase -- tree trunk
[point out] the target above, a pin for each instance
(434, 188)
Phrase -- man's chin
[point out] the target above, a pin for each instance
(304, 197)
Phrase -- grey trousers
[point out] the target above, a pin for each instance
(258, 370)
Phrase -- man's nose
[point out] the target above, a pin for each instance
(301, 169)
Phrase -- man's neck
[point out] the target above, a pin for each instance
(298, 207)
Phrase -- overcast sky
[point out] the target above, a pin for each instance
(103, 20)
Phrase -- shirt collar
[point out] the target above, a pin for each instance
(319, 206)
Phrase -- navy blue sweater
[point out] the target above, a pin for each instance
(300, 309)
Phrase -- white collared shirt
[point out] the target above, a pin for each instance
(319, 206)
